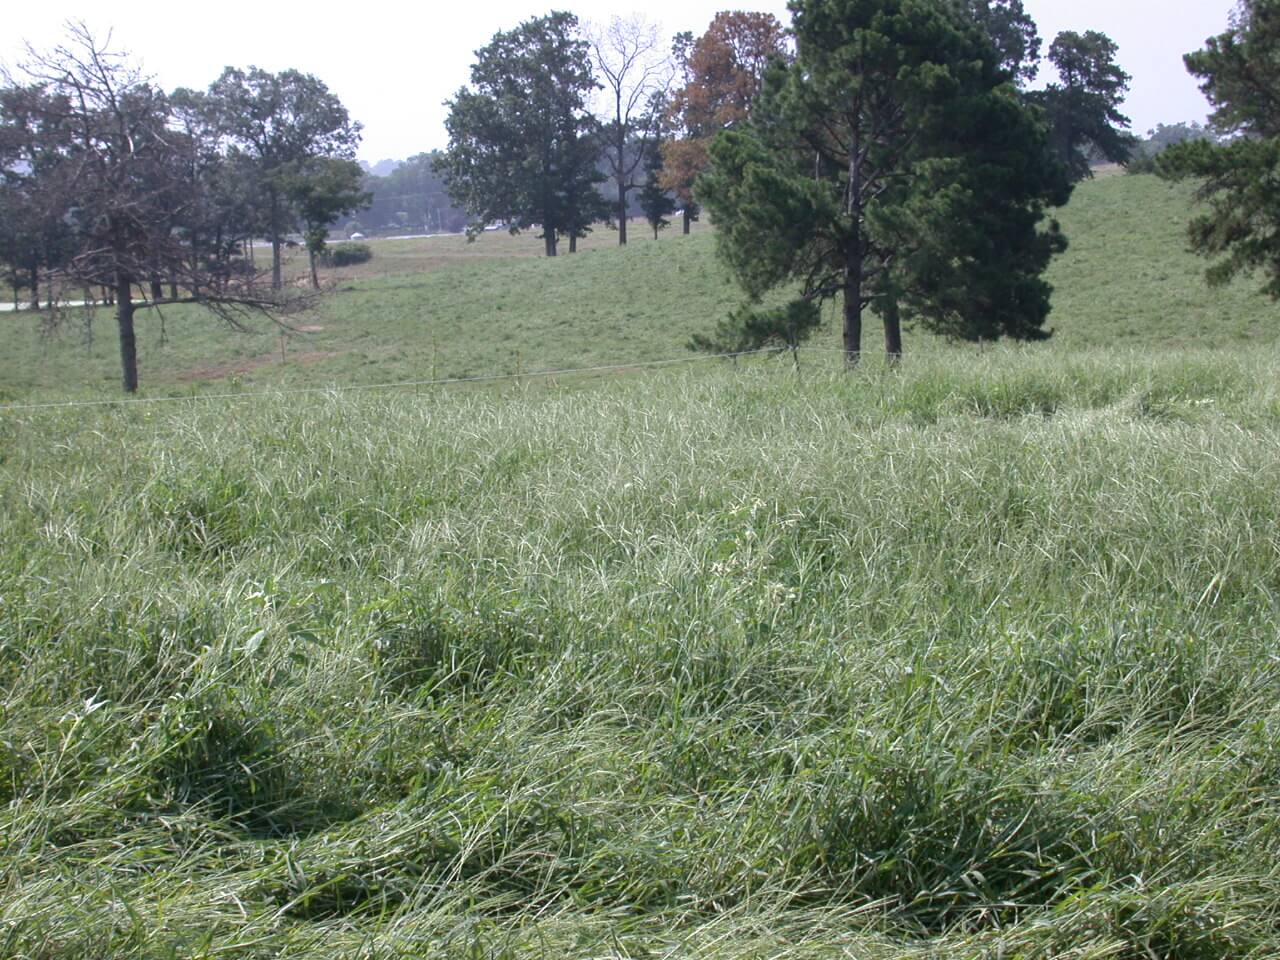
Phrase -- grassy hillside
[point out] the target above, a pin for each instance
(437, 305)
(1128, 280)
(975, 659)
(444, 308)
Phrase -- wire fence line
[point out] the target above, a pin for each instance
(392, 385)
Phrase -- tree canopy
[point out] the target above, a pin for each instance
(721, 75)
(635, 74)
(522, 146)
(1014, 33)
(1083, 106)
(141, 189)
(892, 163)
(1239, 72)
(279, 122)
(322, 189)
(656, 202)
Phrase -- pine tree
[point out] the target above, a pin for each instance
(892, 164)
(656, 202)
(1240, 74)
(1083, 107)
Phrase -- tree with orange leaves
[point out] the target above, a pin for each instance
(723, 70)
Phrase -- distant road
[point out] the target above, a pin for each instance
(413, 236)
(26, 307)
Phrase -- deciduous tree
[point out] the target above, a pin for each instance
(721, 73)
(322, 189)
(34, 236)
(108, 158)
(279, 120)
(521, 138)
(635, 73)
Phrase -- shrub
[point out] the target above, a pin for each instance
(348, 254)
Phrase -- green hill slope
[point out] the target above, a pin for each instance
(440, 308)
(973, 658)
(1128, 280)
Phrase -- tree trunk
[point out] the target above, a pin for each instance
(619, 163)
(892, 328)
(128, 342)
(573, 243)
(853, 314)
(549, 239)
(315, 277)
(35, 286)
(855, 255)
(684, 215)
(277, 279)
(173, 289)
(655, 231)
(157, 290)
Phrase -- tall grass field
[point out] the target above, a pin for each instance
(975, 658)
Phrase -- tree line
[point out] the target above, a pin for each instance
(888, 153)
(110, 184)
(411, 198)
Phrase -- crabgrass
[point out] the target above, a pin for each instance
(963, 660)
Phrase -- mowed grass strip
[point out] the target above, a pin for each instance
(970, 659)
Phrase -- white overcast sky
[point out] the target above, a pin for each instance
(393, 65)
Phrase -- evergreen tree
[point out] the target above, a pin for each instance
(1240, 74)
(1014, 33)
(893, 163)
(1083, 107)
(751, 327)
(656, 202)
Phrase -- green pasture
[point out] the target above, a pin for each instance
(441, 308)
(974, 658)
